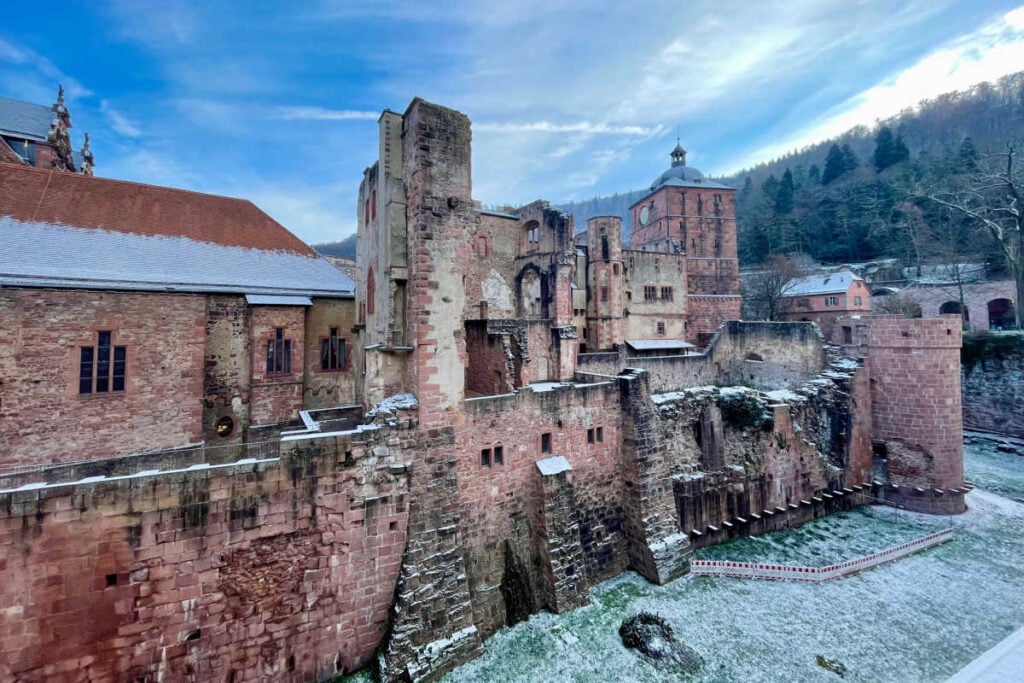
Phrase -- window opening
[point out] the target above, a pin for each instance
(101, 368)
(332, 351)
(279, 354)
(545, 442)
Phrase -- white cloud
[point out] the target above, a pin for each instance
(984, 55)
(322, 114)
(118, 121)
(578, 127)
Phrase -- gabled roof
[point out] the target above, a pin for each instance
(25, 119)
(832, 283)
(66, 230)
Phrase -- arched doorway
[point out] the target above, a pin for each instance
(955, 307)
(1002, 314)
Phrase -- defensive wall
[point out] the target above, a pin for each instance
(281, 566)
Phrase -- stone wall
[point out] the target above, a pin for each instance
(227, 362)
(276, 397)
(662, 271)
(916, 402)
(992, 375)
(45, 419)
(272, 570)
(328, 388)
(502, 503)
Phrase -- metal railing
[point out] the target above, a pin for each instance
(776, 572)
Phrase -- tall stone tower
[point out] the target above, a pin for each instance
(686, 213)
(605, 278)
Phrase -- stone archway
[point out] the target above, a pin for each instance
(955, 307)
(1002, 314)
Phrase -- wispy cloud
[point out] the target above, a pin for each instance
(43, 69)
(118, 121)
(322, 114)
(578, 127)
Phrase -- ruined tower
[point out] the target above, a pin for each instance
(605, 278)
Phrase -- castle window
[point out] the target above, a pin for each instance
(545, 442)
(499, 455)
(666, 294)
(279, 354)
(615, 269)
(629, 295)
(847, 335)
(856, 301)
(700, 205)
(369, 291)
(373, 205)
(533, 235)
(650, 293)
(590, 435)
(604, 294)
(102, 367)
(485, 457)
(831, 301)
(661, 329)
(600, 434)
(332, 351)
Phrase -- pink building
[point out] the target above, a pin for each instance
(823, 298)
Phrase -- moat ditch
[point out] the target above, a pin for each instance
(919, 619)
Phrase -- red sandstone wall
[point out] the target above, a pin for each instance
(328, 388)
(44, 419)
(277, 397)
(915, 394)
(283, 571)
(499, 502)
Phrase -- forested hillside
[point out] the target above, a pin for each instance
(863, 195)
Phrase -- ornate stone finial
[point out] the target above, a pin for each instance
(59, 137)
(87, 158)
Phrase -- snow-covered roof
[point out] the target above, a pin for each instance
(43, 255)
(658, 344)
(831, 283)
(72, 231)
(555, 465)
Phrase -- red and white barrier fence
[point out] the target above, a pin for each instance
(776, 572)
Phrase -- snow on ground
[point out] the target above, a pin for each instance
(785, 396)
(919, 619)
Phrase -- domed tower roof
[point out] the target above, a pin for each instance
(682, 175)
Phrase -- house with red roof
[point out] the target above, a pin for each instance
(139, 318)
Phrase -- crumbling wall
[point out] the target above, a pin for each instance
(281, 569)
(227, 361)
(490, 273)
(992, 377)
(502, 501)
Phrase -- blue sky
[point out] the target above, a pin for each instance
(277, 102)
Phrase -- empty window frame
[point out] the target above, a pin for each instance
(533, 235)
(545, 442)
(604, 294)
(279, 354)
(667, 294)
(650, 293)
(590, 435)
(485, 457)
(499, 455)
(332, 351)
(102, 367)
(661, 329)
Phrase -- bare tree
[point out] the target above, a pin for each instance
(764, 295)
(896, 304)
(991, 198)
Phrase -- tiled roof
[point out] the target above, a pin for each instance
(831, 283)
(24, 119)
(88, 202)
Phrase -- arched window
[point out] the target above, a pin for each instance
(954, 307)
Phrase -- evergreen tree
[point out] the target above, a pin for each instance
(968, 155)
(885, 149)
(902, 153)
(850, 160)
(814, 175)
(784, 195)
(834, 166)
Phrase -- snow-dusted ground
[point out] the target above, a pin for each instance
(919, 619)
